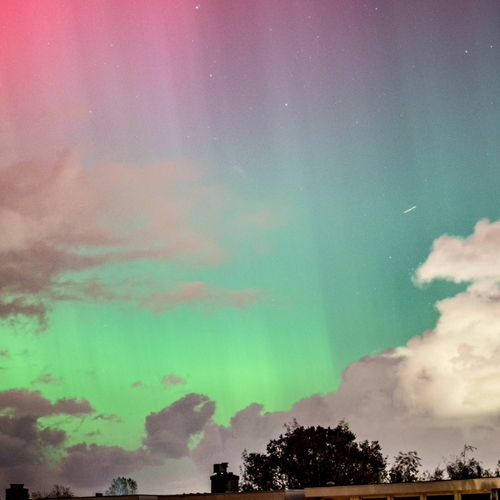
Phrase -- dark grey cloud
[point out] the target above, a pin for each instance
(100, 463)
(168, 432)
(19, 441)
(20, 402)
(53, 437)
(24, 440)
(25, 443)
(251, 429)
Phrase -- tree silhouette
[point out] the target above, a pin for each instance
(58, 491)
(313, 456)
(405, 468)
(436, 475)
(463, 467)
(121, 486)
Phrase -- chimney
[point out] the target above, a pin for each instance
(381, 474)
(17, 492)
(222, 480)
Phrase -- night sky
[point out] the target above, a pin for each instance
(218, 215)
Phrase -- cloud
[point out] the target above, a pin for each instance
(169, 431)
(458, 259)
(108, 417)
(453, 371)
(25, 442)
(365, 399)
(201, 294)
(168, 434)
(53, 437)
(18, 437)
(369, 399)
(171, 380)
(22, 402)
(100, 463)
(251, 428)
(20, 306)
(58, 219)
(434, 394)
(23, 449)
(47, 379)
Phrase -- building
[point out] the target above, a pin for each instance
(466, 489)
(17, 492)
(252, 495)
(223, 481)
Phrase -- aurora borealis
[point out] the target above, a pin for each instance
(205, 232)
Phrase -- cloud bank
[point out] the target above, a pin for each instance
(25, 442)
(439, 391)
(59, 221)
(436, 393)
